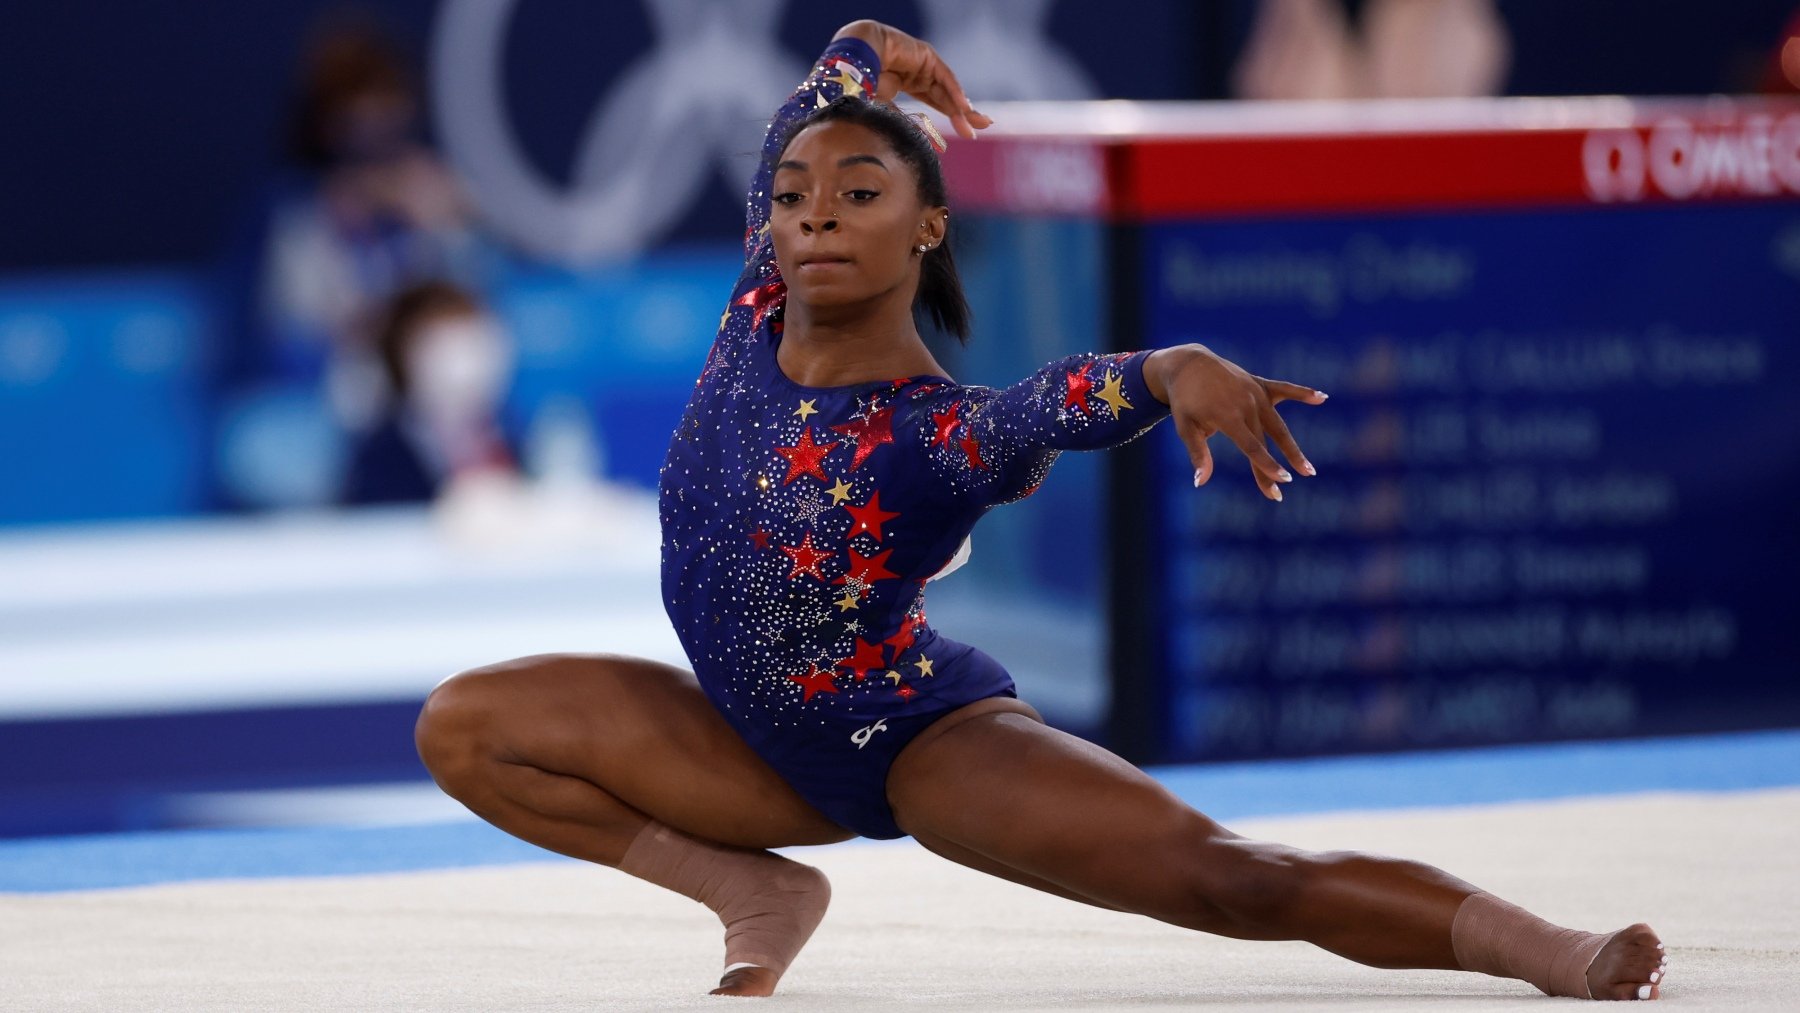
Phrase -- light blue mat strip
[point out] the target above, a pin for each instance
(1226, 792)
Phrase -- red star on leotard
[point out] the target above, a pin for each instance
(946, 423)
(816, 680)
(868, 570)
(867, 656)
(868, 433)
(807, 559)
(763, 300)
(760, 537)
(1079, 385)
(867, 518)
(906, 692)
(972, 450)
(804, 456)
(904, 638)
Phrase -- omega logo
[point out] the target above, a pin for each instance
(1679, 159)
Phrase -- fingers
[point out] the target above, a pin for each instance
(948, 91)
(1246, 415)
(1195, 439)
(1269, 474)
(1203, 464)
(1280, 390)
(1278, 431)
(935, 84)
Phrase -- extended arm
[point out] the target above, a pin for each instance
(1001, 442)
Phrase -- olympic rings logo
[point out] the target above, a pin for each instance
(696, 102)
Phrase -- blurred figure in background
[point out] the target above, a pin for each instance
(362, 211)
(1336, 49)
(1781, 75)
(438, 435)
(447, 365)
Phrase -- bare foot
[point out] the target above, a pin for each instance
(1630, 966)
(767, 929)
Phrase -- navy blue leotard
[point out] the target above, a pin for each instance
(800, 524)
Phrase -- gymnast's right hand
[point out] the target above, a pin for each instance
(912, 66)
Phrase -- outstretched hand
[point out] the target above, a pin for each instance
(910, 65)
(1207, 394)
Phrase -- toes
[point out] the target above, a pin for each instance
(747, 981)
(1637, 964)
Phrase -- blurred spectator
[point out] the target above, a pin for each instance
(447, 365)
(1334, 49)
(1782, 75)
(362, 211)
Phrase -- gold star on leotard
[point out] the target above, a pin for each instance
(893, 676)
(1113, 394)
(923, 665)
(806, 409)
(839, 492)
(847, 602)
(724, 318)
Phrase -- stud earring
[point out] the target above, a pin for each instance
(923, 247)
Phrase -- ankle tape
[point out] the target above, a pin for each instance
(769, 905)
(1494, 937)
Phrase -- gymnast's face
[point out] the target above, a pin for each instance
(846, 217)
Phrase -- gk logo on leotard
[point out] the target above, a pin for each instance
(862, 735)
(694, 105)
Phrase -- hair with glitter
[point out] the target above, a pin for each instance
(940, 296)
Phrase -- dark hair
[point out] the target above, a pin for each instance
(346, 58)
(940, 294)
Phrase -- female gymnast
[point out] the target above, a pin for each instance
(825, 469)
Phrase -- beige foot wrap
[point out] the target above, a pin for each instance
(769, 905)
(1494, 937)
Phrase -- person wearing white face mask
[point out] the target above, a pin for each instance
(448, 364)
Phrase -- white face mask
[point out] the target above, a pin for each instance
(459, 369)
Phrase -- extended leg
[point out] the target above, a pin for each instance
(623, 762)
(1065, 811)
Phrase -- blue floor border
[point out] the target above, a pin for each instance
(1226, 792)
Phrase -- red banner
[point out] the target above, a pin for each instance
(1140, 162)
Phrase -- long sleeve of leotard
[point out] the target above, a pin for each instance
(847, 66)
(998, 443)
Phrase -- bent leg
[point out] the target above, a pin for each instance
(1060, 809)
(576, 753)
(624, 762)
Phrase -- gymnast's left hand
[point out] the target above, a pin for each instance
(1208, 394)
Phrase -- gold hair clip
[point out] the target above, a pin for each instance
(931, 131)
